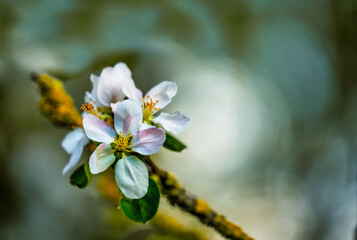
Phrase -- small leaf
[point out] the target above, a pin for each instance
(143, 209)
(81, 177)
(173, 143)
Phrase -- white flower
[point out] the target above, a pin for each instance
(73, 143)
(108, 87)
(115, 83)
(111, 82)
(130, 173)
(156, 99)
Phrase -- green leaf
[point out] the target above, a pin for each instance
(81, 177)
(173, 143)
(143, 209)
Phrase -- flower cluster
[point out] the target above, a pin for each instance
(124, 125)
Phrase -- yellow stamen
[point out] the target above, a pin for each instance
(91, 107)
(87, 107)
(123, 143)
(148, 107)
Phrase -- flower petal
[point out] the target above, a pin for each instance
(94, 79)
(87, 97)
(174, 123)
(163, 92)
(144, 125)
(148, 141)
(132, 177)
(101, 158)
(128, 117)
(110, 84)
(92, 97)
(98, 130)
(76, 154)
(130, 90)
(114, 106)
(71, 140)
(123, 69)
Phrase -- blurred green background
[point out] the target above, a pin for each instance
(270, 87)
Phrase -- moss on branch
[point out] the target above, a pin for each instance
(188, 202)
(55, 103)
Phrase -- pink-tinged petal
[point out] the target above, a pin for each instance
(71, 140)
(101, 158)
(110, 84)
(163, 92)
(98, 130)
(128, 117)
(76, 155)
(148, 141)
(132, 177)
(174, 123)
(130, 90)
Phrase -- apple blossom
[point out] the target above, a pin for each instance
(108, 87)
(129, 136)
(156, 99)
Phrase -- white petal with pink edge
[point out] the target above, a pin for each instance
(101, 158)
(98, 130)
(148, 141)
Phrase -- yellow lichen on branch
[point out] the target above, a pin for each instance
(55, 103)
(178, 196)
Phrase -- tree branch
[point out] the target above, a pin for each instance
(58, 106)
(188, 202)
